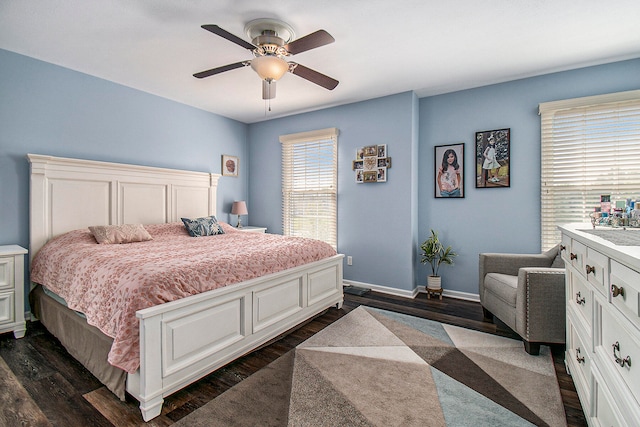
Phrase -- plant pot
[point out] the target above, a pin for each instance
(434, 282)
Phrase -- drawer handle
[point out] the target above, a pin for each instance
(620, 361)
(578, 358)
(617, 290)
(591, 269)
(573, 256)
(562, 248)
(579, 299)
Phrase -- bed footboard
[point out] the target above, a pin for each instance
(184, 340)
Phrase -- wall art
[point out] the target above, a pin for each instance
(230, 165)
(449, 171)
(493, 154)
(371, 164)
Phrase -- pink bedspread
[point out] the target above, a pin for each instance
(109, 283)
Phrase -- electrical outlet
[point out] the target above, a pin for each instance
(349, 260)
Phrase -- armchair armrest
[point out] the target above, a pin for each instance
(540, 304)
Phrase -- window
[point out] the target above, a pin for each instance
(590, 147)
(310, 185)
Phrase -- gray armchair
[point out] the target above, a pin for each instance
(527, 293)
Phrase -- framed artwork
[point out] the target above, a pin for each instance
(449, 171)
(493, 153)
(230, 165)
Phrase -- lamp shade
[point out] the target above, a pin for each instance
(269, 67)
(239, 208)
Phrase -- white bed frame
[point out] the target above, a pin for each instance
(183, 340)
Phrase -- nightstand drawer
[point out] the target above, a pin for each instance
(7, 313)
(12, 290)
(6, 273)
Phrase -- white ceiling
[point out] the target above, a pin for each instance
(382, 47)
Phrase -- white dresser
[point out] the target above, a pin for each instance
(603, 322)
(12, 290)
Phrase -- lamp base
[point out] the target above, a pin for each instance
(239, 224)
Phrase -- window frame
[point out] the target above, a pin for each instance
(293, 189)
(575, 171)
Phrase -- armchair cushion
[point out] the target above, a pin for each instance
(503, 286)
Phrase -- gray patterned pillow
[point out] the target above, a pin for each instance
(206, 226)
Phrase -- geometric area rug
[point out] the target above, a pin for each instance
(379, 368)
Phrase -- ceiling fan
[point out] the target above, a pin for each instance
(271, 44)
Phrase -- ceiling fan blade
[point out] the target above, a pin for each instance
(310, 41)
(314, 76)
(222, 69)
(268, 89)
(227, 35)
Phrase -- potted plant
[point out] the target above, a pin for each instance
(434, 253)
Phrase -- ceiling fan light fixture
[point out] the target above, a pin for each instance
(269, 67)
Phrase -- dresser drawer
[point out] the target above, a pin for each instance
(576, 256)
(580, 299)
(7, 313)
(6, 273)
(565, 248)
(579, 361)
(621, 349)
(605, 411)
(596, 269)
(625, 291)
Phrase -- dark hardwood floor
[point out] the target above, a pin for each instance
(42, 385)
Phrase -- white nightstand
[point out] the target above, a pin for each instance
(252, 229)
(12, 290)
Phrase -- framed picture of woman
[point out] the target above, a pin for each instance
(449, 171)
(493, 149)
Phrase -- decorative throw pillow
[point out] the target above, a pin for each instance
(125, 233)
(206, 226)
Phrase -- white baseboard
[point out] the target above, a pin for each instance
(412, 294)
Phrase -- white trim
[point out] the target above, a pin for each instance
(311, 135)
(588, 100)
(412, 294)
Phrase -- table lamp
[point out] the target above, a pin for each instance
(239, 208)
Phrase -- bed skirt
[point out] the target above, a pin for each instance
(84, 342)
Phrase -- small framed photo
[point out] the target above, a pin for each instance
(357, 164)
(230, 165)
(493, 153)
(370, 150)
(449, 171)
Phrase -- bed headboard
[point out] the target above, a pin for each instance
(68, 194)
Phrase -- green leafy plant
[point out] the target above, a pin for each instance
(434, 253)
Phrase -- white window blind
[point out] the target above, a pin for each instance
(590, 147)
(310, 185)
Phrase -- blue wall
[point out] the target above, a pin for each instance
(46, 109)
(380, 225)
(374, 220)
(493, 219)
